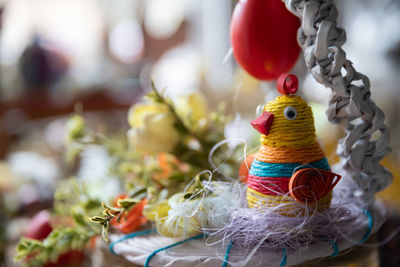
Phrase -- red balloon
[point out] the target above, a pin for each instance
(263, 37)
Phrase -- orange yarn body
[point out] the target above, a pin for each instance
(290, 154)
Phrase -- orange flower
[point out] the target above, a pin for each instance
(167, 164)
(131, 220)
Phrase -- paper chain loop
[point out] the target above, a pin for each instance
(321, 40)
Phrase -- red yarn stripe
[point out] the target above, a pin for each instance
(269, 185)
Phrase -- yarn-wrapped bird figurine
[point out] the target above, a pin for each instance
(290, 171)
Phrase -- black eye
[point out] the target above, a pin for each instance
(290, 113)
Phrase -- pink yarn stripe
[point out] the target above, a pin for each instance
(269, 185)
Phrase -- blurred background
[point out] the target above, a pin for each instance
(97, 57)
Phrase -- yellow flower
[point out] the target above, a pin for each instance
(152, 129)
(193, 109)
(173, 217)
(156, 211)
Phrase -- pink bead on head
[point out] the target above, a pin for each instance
(287, 84)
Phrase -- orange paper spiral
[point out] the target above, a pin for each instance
(309, 185)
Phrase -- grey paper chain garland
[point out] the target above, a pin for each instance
(350, 106)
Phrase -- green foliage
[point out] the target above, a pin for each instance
(61, 240)
(142, 176)
(73, 207)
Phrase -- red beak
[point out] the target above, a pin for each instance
(263, 123)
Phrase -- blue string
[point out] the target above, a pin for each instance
(365, 237)
(370, 225)
(225, 264)
(265, 169)
(132, 235)
(284, 258)
(167, 247)
(335, 248)
(228, 251)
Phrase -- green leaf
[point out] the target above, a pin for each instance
(91, 204)
(79, 217)
(104, 231)
(27, 247)
(76, 127)
(177, 177)
(118, 218)
(98, 219)
(137, 191)
(113, 209)
(72, 152)
(128, 202)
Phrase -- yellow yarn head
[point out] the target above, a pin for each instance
(292, 125)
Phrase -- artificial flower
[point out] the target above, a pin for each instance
(168, 164)
(131, 220)
(172, 217)
(193, 109)
(152, 129)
